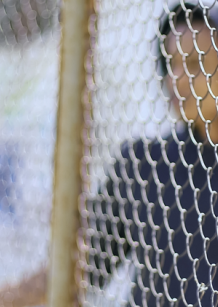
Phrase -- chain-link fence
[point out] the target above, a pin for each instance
(148, 205)
(150, 175)
(29, 47)
(23, 21)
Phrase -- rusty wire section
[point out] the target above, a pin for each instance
(29, 44)
(150, 175)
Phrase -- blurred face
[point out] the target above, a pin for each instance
(189, 74)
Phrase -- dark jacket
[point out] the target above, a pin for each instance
(160, 204)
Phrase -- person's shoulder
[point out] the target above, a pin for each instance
(153, 148)
(129, 147)
(137, 149)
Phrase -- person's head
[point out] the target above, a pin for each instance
(191, 65)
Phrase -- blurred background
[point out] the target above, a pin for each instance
(29, 57)
(128, 101)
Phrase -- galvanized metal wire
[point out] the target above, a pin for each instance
(24, 21)
(149, 200)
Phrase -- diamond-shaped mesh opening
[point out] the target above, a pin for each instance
(150, 174)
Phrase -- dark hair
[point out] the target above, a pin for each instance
(179, 18)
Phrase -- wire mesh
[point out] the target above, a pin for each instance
(29, 42)
(149, 200)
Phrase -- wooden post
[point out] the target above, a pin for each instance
(62, 290)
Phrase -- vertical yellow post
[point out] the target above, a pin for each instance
(62, 289)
